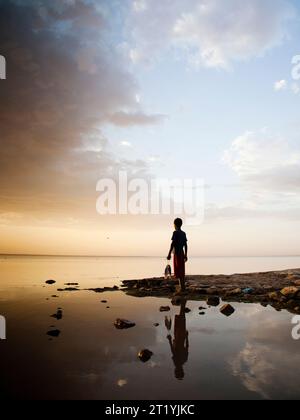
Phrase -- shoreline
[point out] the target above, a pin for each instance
(279, 289)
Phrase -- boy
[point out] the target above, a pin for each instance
(180, 249)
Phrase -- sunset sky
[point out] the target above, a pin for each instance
(170, 88)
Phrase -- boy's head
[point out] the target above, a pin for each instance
(178, 223)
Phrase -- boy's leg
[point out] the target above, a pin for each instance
(182, 284)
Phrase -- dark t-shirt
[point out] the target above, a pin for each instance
(179, 241)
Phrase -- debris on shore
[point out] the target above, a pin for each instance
(122, 324)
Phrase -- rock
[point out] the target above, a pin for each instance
(145, 355)
(71, 284)
(103, 289)
(156, 324)
(297, 309)
(290, 292)
(164, 309)
(187, 310)
(234, 292)
(50, 281)
(103, 301)
(58, 315)
(108, 307)
(122, 324)
(201, 313)
(268, 288)
(212, 291)
(54, 296)
(277, 307)
(202, 308)
(53, 333)
(274, 296)
(227, 310)
(293, 276)
(200, 291)
(296, 282)
(213, 301)
(291, 304)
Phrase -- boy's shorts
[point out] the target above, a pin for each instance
(179, 266)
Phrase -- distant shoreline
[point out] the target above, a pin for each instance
(144, 256)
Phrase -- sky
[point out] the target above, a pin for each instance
(185, 89)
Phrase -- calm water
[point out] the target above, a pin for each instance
(250, 355)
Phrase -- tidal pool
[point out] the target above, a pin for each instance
(249, 355)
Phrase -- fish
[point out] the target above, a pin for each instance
(168, 272)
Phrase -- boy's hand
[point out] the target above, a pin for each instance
(169, 257)
(186, 258)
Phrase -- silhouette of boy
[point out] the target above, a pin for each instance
(179, 248)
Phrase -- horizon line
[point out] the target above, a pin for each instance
(141, 256)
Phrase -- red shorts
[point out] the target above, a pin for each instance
(179, 266)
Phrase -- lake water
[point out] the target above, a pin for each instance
(250, 355)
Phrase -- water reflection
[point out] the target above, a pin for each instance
(179, 345)
(250, 355)
(267, 363)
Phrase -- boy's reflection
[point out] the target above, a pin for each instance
(180, 344)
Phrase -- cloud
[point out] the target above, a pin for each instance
(280, 85)
(266, 364)
(212, 33)
(125, 143)
(267, 371)
(65, 81)
(265, 162)
(296, 88)
(125, 119)
(244, 211)
(268, 172)
(139, 6)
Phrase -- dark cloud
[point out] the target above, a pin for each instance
(63, 81)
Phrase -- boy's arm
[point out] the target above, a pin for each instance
(170, 252)
(186, 252)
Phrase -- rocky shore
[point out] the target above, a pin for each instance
(280, 289)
